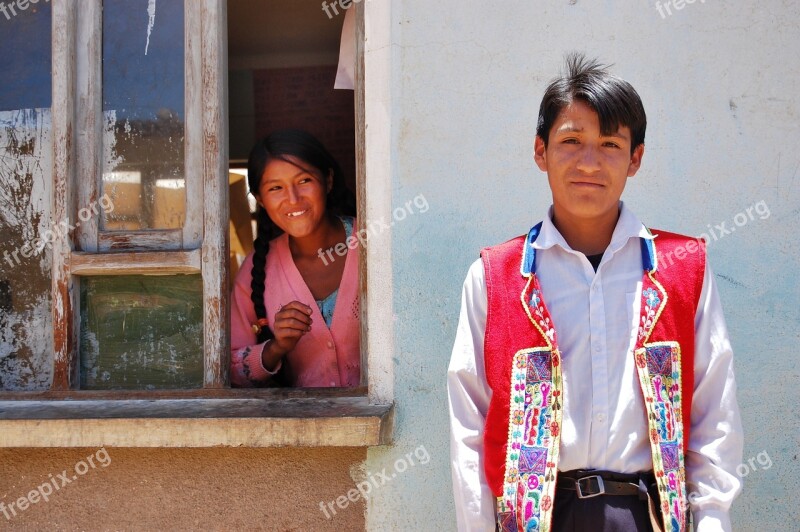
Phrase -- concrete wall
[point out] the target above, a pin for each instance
(719, 82)
(180, 489)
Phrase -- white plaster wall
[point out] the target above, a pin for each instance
(719, 80)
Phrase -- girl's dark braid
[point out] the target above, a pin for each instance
(261, 248)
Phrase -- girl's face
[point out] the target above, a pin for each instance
(293, 194)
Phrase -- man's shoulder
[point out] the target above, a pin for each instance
(507, 246)
(663, 234)
(680, 257)
(667, 240)
(503, 259)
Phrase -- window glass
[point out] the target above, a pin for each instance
(141, 332)
(143, 111)
(26, 56)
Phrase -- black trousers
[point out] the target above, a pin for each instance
(604, 513)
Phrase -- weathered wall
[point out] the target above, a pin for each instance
(719, 82)
(26, 342)
(181, 489)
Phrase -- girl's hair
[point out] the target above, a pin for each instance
(283, 145)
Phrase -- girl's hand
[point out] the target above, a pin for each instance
(291, 322)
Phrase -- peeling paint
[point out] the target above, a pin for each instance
(25, 189)
(111, 160)
(151, 21)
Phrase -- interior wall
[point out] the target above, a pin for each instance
(283, 56)
(304, 98)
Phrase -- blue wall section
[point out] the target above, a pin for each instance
(719, 83)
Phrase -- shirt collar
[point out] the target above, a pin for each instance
(628, 226)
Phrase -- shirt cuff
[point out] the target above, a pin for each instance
(255, 363)
(712, 520)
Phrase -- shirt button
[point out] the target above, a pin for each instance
(601, 418)
(330, 345)
(597, 348)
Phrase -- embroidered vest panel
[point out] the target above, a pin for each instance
(521, 437)
(664, 355)
(523, 369)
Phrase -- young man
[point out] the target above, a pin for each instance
(591, 384)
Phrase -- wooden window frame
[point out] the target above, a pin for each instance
(215, 415)
(199, 246)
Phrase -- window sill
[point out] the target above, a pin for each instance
(235, 418)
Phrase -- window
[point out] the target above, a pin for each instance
(144, 166)
(146, 169)
(140, 160)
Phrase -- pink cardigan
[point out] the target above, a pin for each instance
(322, 357)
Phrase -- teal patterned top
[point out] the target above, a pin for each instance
(327, 305)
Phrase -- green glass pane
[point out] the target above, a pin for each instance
(141, 332)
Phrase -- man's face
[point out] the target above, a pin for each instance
(587, 170)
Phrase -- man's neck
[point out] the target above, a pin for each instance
(590, 236)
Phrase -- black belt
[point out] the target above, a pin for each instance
(589, 483)
(593, 483)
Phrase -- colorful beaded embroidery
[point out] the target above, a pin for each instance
(658, 367)
(534, 426)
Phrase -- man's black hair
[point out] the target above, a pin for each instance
(614, 100)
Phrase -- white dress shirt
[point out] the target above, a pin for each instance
(604, 425)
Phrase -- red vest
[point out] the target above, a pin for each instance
(522, 365)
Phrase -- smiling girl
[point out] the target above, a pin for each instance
(294, 318)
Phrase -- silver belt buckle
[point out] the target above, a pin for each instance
(579, 486)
